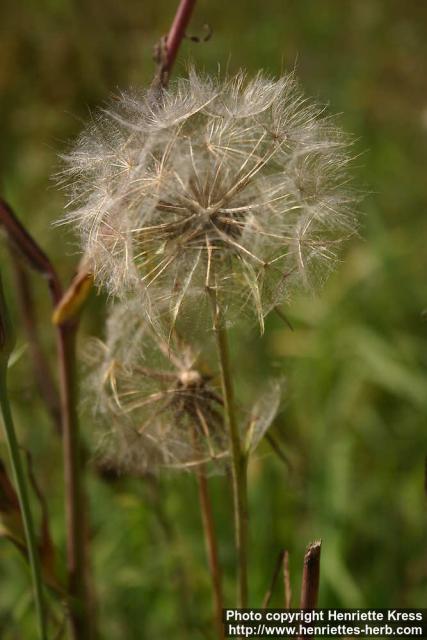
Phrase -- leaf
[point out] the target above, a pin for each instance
(48, 556)
(11, 525)
(7, 336)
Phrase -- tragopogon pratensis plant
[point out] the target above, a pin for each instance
(219, 193)
(238, 187)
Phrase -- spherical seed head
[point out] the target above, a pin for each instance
(234, 187)
(157, 408)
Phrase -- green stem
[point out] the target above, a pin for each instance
(239, 460)
(21, 486)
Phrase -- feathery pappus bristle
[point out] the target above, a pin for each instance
(234, 186)
(159, 409)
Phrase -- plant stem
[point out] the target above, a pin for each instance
(177, 30)
(310, 578)
(239, 459)
(74, 498)
(41, 369)
(211, 549)
(21, 488)
(74, 504)
(168, 47)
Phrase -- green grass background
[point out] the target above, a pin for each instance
(353, 422)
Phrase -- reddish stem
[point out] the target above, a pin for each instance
(177, 32)
(24, 243)
(310, 578)
(41, 369)
(168, 47)
(211, 550)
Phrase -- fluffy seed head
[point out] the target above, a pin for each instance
(238, 187)
(158, 408)
(157, 405)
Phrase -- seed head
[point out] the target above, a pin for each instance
(160, 408)
(238, 187)
(157, 404)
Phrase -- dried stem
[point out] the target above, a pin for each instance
(310, 577)
(211, 543)
(19, 475)
(211, 549)
(65, 335)
(239, 459)
(19, 237)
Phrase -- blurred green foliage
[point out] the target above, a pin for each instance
(354, 418)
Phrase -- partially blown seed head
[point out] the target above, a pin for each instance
(159, 408)
(237, 187)
(157, 405)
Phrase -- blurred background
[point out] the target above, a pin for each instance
(353, 423)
